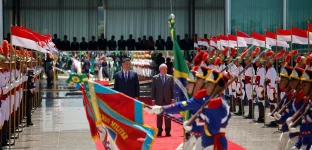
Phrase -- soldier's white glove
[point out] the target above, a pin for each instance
(157, 109)
(294, 129)
(277, 116)
(294, 148)
(154, 110)
(289, 122)
(186, 127)
(148, 110)
(10, 86)
(271, 118)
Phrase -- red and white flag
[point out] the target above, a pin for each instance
(233, 42)
(243, 37)
(258, 39)
(299, 36)
(48, 40)
(26, 38)
(283, 35)
(202, 42)
(310, 33)
(223, 41)
(270, 39)
(213, 42)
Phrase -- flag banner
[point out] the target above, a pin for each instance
(213, 42)
(115, 119)
(270, 39)
(24, 38)
(310, 33)
(299, 36)
(283, 35)
(259, 40)
(195, 44)
(181, 70)
(243, 37)
(224, 41)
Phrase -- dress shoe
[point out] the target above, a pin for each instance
(248, 117)
(30, 124)
(159, 134)
(271, 124)
(260, 120)
(168, 134)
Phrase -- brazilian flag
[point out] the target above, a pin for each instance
(181, 70)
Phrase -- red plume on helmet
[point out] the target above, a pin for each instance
(25, 52)
(268, 54)
(217, 61)
(308, 60)
(255, 52)
(298, 59)
(288, 57)
(223, 52)
(17, 52)
(1, 50)
(212, 52)
(5, 46)
(233, 52)
(293, 52)
(280, 54)
(200, 56)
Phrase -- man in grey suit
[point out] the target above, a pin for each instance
(162, 94)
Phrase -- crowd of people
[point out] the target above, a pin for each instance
(102, 43)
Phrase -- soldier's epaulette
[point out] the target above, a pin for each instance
(200, 94)
(215, 103)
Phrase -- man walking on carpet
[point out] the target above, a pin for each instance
(162, 94)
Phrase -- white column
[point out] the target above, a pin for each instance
(227, 17)
(1, 20)
(284, 14)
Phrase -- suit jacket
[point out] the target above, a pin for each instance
(131, 87)
(162, 94)
(86, 66)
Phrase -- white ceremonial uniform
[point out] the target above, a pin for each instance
(249, 78)
(270, 79)
(239, 83)
(259, 82)
(232, 72)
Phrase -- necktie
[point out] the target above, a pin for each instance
(163, 80)
(126, 76)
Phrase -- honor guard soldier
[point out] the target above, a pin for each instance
(249, 81)
(216, 113)
(30, 93)
(306, 124)
(259, 88)
(270, 78)
(240, 92)
(231, 73)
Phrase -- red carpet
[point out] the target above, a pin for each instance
(171, 143)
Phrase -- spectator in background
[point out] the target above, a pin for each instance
(112, 43)
(160, 43)
(65, 44)
(104, 68)
(144, 43)
(122, 43)
(159, 60)
(102, 43)
(206, 37)
(130, 43)
(86, 66)
(97, 66)
(126, 81)
(83, 44)
(56, 41)
(169, 43)
(74, 45)
(92, 44)
(180, 42)
(139, 45)
(169, 66)
(150, 43)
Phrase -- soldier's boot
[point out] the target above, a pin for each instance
(232, 107)
(272, 123)
(261, 113)
(240, 112)
(250, 110)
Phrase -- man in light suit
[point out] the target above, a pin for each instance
(126, 80)
(162, 94)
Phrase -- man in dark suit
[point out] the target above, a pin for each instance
(102, 43)
(126, 81)
(162, 94)
(130, 43)
(74, 45)
(86, 66)
(92, 44)
(83, 44)
(112, 43)
(56, 41)
(160, 43)
(122, 43)
(65, 44)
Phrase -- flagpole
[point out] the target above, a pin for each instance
(276, 68)
(265, 87)
(291, 59)
(308, 24)
(10, 93)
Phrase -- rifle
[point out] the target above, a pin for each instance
(296, 118)
(193, 118)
